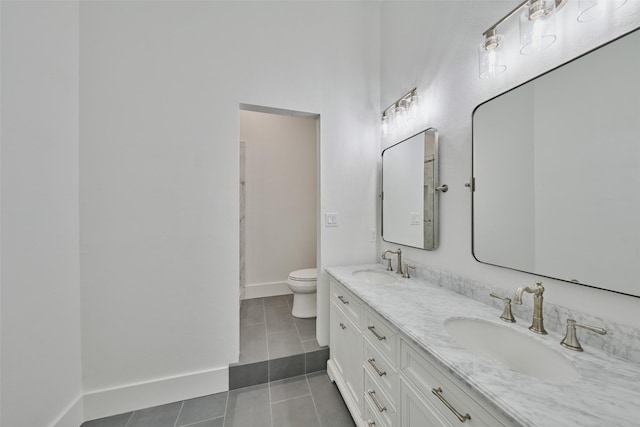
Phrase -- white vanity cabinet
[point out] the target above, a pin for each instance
(345, 343)
(387, 381)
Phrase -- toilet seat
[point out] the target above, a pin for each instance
(304, 275)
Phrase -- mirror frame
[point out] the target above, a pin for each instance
(473, 168)
(436, 185)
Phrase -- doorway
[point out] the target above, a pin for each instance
(279, 204)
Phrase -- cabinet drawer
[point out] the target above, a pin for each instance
(415, 411)
(380, 368)
(371, 418)
(454, 404)
(380, 334)
(347, 302)
(378, 402)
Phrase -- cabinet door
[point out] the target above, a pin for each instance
(346, 354)
(416, 412)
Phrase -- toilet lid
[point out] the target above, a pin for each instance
(304, 275)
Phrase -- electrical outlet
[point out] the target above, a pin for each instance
(414, 218)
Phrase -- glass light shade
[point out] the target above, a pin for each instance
(537, 26)
(590, 10)
(414, 107)
(400, 116)
(385, 128)
(490, 57)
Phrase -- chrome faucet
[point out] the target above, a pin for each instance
(399, 253)
(537, 325)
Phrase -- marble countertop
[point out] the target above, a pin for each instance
(607, 394)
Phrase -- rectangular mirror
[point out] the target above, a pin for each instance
(409, 195)
(556, 172)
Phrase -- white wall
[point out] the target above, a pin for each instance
(160, 88)
(281, 186)
(40, 312)
(433, 45)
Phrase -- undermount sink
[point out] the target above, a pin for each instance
(374, 277)
(511, 348)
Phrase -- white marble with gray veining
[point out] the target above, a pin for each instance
(608, 393)
(621, 340)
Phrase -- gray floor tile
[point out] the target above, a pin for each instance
(331, 408)
(306, 328)
(289, 299)
(252, 311)
(248, 374)
(279, 300)
(284, 344)
(286, 367)
(279, 319)
(296, 412)
(114, 421)
(157, 416)
(316, 360)
(311, 345)
(289, 388)
(217, 422)
(248, 407)
(203, 408)
(253, 343)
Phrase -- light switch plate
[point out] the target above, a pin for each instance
(330, 219)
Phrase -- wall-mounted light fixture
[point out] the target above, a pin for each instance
(537, 32)
(396, 117)
(537, 29)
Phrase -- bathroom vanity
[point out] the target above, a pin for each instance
(396, 361)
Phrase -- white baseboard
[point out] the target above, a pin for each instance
(269, 289)
(72, 416)
(130, 397)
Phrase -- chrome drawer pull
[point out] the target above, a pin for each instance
(372, 393)
(373, 331)
(342, 325)
(341, 298)
(438, 393)
(371, 423)
(372, 362)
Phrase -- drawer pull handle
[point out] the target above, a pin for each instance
(371, 423)
(381, 408)
(342, 300)
(372, 362)
(343, 326)
(438, 393)
(373, 331)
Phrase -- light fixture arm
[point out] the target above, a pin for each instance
(492, 29)
(404, 99)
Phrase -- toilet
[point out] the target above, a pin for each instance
(303, 284)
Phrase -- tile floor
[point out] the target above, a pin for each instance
(310, 400)
(274, 344)
(269, 331)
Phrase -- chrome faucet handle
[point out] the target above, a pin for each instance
(406, 270)
(507, 315)
(570, 340)
(384, 257)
